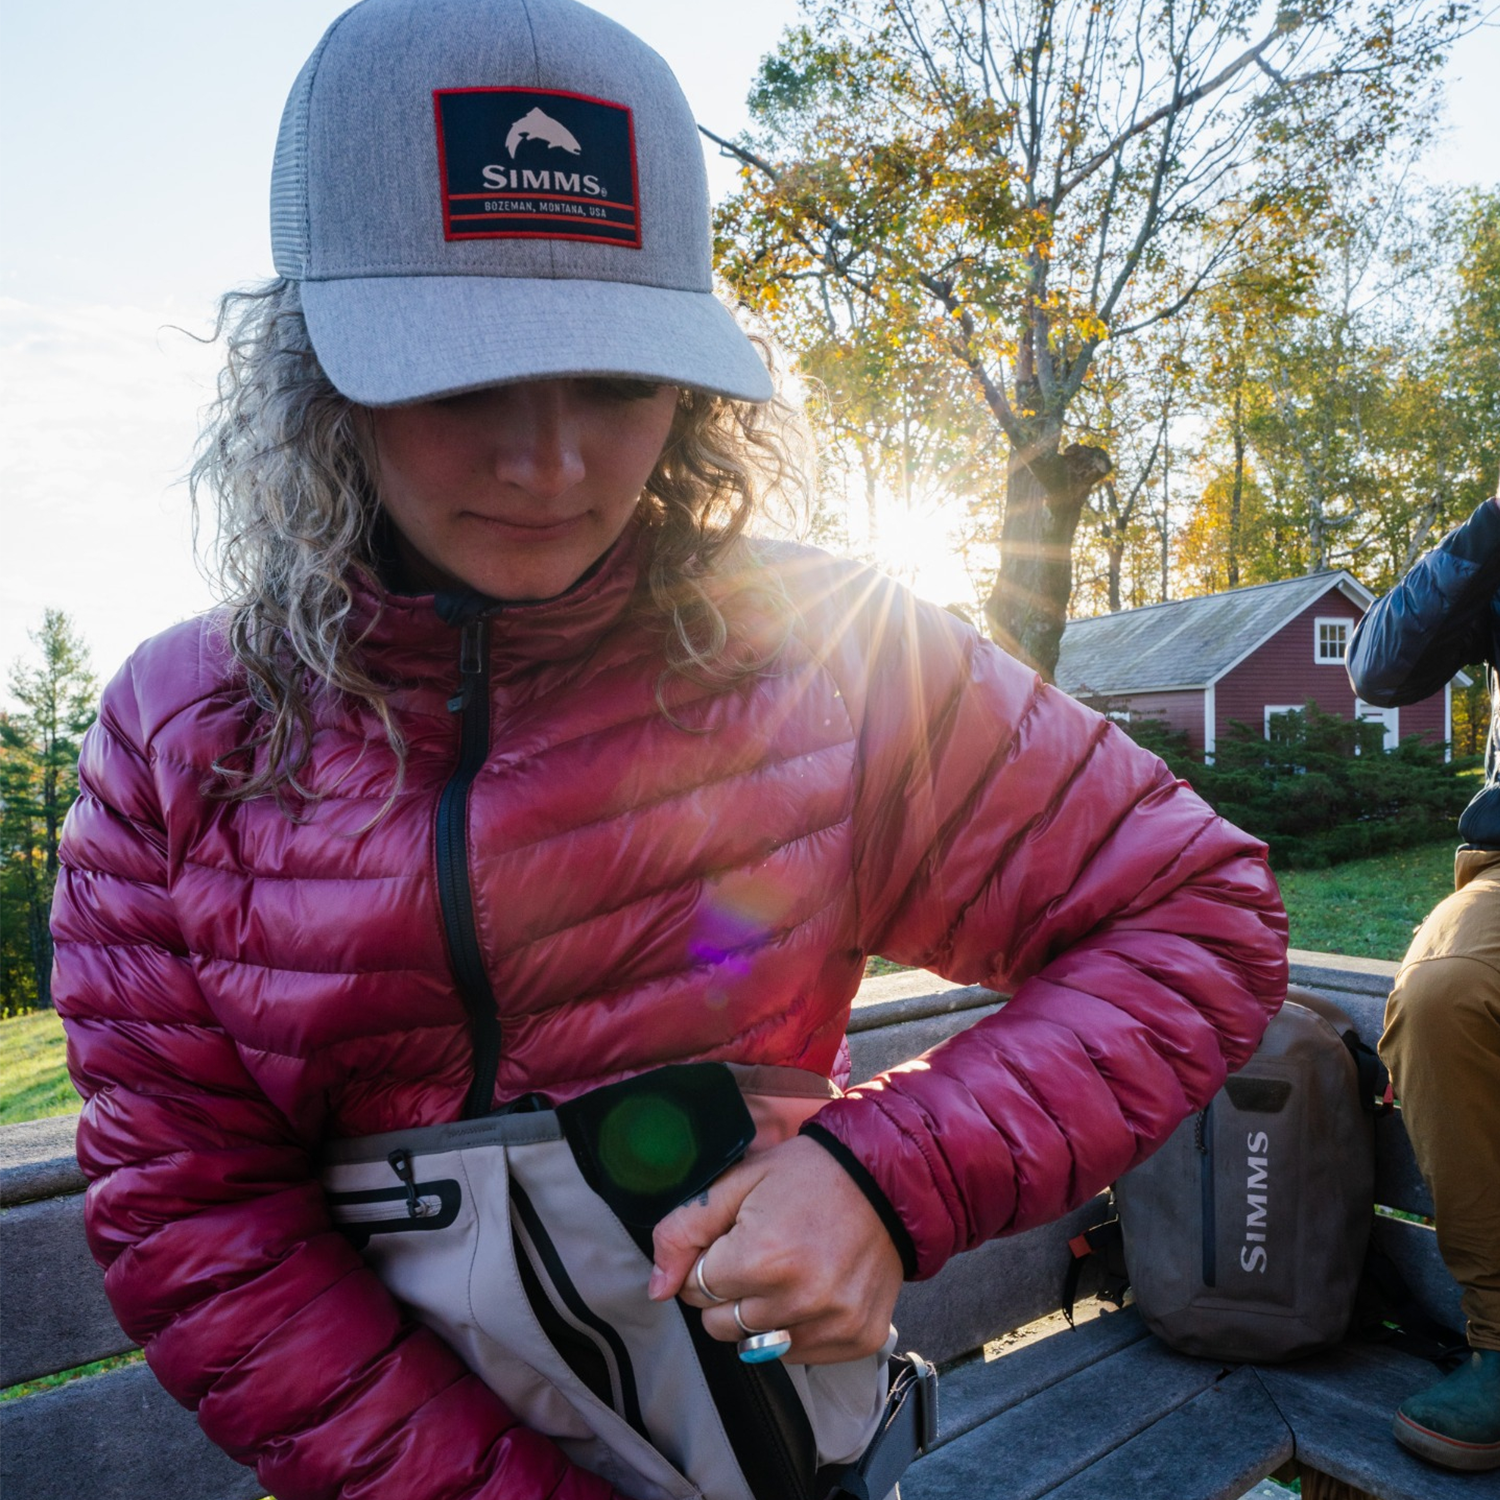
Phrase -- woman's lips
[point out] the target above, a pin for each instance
(528, 530)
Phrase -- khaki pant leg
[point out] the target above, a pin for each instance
(1442, 1045)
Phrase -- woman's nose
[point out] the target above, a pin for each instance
(541, 448)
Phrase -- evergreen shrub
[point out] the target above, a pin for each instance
(1322, 789)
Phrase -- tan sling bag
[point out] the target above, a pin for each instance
(524, 1239)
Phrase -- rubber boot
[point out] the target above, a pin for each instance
(1456, 1422)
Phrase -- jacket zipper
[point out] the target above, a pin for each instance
(455, 891)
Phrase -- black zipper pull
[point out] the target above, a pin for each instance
(400, 1161)
(471, 664)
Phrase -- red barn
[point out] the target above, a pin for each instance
(1247, 654)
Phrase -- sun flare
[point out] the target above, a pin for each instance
(921, 545)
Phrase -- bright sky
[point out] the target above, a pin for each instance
(133, 187)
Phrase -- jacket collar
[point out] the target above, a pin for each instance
(402, 627)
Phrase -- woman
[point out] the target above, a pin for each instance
(512, 769)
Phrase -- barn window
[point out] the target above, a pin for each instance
(1331, 640)
(1279, 722)
(1388, 718)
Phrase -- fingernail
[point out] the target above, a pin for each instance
(657, 1286)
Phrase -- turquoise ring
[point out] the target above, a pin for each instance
(762, 1348)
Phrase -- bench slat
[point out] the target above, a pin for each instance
(1414, 1249)
(117, 1435)
(991, 1290)
(972, 1393)
(1366, 1011)
(872, 1052)
(1341, 1405)
(1398, 1182)
(1213, 1448)
(52, 1302)
(1027, 1450)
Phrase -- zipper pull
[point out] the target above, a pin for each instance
(400, 1161)
(471, 664)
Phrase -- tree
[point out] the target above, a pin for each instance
(1010, 184)
(1128, 410)
(1351, 412)
(39, 743)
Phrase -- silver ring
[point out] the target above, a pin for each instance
(702, 1284)
(745, 1328)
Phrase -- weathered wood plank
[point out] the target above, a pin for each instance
(1340, 974)
(1212, 1448)
(1398, 1182)
(113, 1437)
(911, 994)
(973, 1393)
(36, 1160)
(52, 1302)
(1340, 1405)
(1029, 1449)
(872, 1052)
(991, 1290)
(1414, 1249)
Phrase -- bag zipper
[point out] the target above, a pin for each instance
(455, 891)
(429, 1205)
(1203, 1138)
(400, 1161)
(606, 1337)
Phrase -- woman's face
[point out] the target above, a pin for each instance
(516, 490)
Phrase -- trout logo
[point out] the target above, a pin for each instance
(1253, 1256)
(500, 159)
(539, 127)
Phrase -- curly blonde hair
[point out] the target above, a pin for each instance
(286, 459)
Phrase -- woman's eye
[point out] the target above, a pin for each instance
(612, 388)
(461, 402)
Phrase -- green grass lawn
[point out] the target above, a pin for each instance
(1368, 908)
(33, 1069)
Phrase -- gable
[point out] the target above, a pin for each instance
(1190, 643)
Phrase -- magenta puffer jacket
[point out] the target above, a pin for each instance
(571, 886)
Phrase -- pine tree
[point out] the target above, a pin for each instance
(56, 696)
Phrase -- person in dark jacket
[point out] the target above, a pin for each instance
(1442, 1036)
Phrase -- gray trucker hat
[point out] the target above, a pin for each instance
(479, 191)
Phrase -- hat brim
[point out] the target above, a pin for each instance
(392, 340)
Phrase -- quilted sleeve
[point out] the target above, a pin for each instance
(1010, 837)
(218, 1253)
(1435, 621)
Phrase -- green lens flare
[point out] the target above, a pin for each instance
(646, 1144)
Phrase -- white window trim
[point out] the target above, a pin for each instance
(1389, 717)
(1318, 624)
(1280, 708)
(1210, 723)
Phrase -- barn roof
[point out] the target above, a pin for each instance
(1187, 643)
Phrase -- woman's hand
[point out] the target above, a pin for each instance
(789, 1236)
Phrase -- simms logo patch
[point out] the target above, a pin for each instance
(536, 164)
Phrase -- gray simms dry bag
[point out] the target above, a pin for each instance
(523, 1238)
(1245, 1234)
